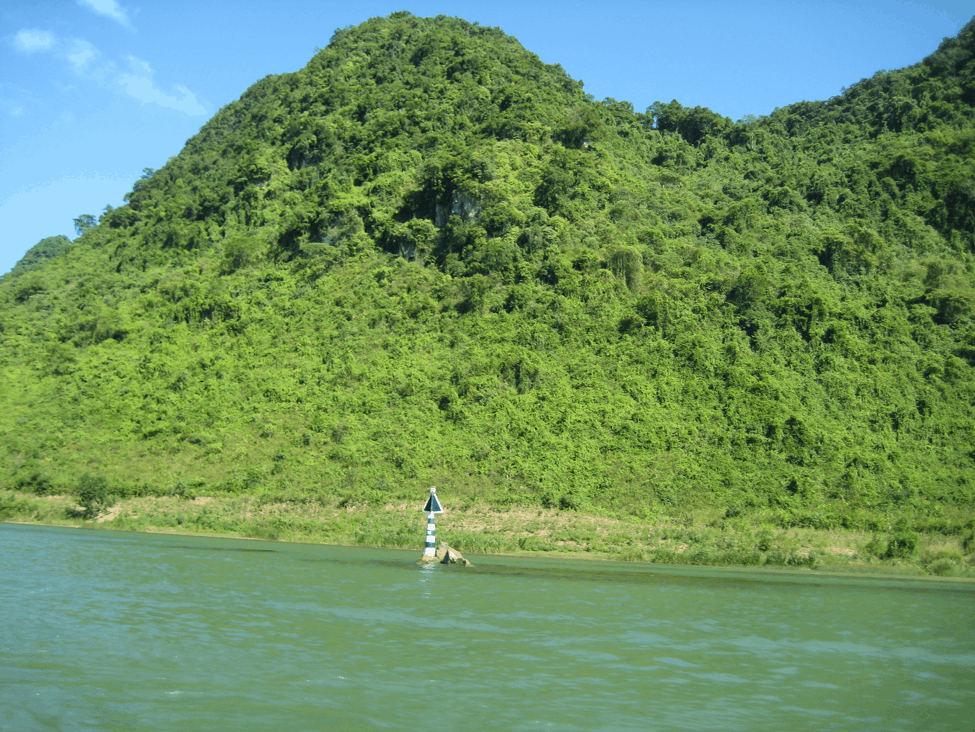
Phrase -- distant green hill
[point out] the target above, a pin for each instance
(52, 246)
(428, 258)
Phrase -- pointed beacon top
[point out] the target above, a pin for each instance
(433, 504)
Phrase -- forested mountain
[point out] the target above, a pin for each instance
(428, 258)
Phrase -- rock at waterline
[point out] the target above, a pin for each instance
(452, 556)
(446, 555)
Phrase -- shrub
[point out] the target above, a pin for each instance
(777, 557)
(902, 545)
(738, 556)
(818, 519)
(36, 483)
(809, 560)
(876, 547)
(941, 567)
(632, 554)
(968, 541)
(362, 497)
(943, 562)
(267, 531)
(93, 495)
(11, 507)
(534, 544)
(734, 510)
(574, 500)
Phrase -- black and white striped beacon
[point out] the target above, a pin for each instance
(432, 507)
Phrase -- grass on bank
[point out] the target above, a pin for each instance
(705, 537)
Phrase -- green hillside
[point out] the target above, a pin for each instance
(428, 258)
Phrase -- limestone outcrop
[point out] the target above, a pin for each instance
(446, 555)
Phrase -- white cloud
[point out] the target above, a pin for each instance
(88, 63)
(81, 53)
(138, 63)
(34, 40)
(140, 86)
(108, 8)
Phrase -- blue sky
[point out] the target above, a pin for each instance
(93, 91)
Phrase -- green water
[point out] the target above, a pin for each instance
(113, 631)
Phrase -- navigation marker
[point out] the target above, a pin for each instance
(432, 507)
(433, 503)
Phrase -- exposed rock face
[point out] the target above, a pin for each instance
(446, 555)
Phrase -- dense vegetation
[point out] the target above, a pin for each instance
(427, 258)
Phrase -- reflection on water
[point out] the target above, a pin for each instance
(107, 630)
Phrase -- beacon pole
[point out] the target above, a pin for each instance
(431, 508)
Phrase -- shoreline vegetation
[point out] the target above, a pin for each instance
(703, 537)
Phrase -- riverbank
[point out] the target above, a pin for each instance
(696, 538)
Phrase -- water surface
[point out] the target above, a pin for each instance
(106, 630)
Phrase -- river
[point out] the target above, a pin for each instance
(103, 630)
